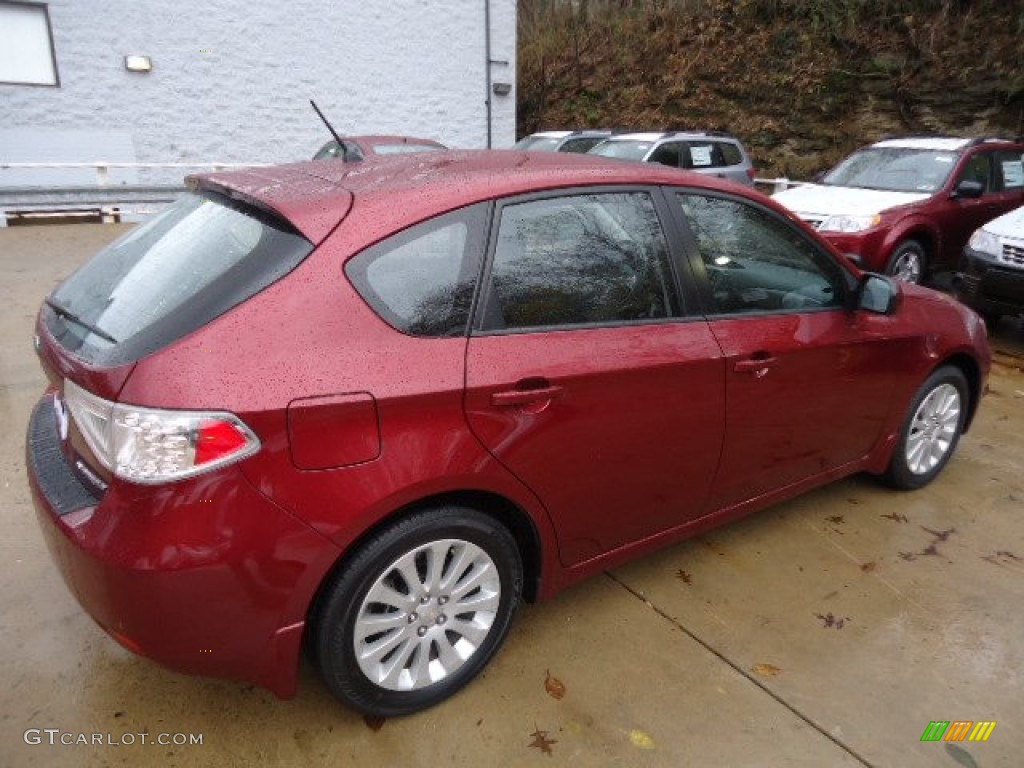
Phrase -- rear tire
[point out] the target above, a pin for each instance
(908, 262)
(931, 429)
(418, 611)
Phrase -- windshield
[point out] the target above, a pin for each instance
(894, 169)
(198, 258)
(623, 150)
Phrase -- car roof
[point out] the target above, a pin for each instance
(665, 135)
(947, 143)
(950, 144)
(314, 197)
(637, 137)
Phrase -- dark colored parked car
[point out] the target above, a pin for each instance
(354, 148)
(562, 141)
(370, 408)
(991, 276)
(906, 206)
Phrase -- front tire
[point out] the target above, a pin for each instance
(418, 611)
(931, 429)
(908, 262)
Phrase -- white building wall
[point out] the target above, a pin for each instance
(232, 79)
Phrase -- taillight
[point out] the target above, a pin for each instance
(150, 445)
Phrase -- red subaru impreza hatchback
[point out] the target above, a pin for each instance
(368, 409)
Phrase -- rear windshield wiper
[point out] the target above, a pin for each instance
(67, 314)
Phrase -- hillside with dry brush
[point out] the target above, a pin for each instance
(802, 82)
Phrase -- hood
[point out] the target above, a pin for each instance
(1009, 225)
(824, 200)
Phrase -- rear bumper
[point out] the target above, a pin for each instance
(205, 576)
(989, 287)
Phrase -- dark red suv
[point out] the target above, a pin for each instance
(907, 206)
(368, 408)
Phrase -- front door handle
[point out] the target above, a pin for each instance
(526, 396)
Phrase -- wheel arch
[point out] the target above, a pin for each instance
(494, 505)
(972, 372)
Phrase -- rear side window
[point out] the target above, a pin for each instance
(706, 154)
(201, 256)
(421, 280)
(1011, 169)
(580, 260)
(731, 153)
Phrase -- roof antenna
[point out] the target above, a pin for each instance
(334, 133)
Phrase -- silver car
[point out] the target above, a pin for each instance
(709, 152)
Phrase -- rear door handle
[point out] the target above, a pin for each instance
(756, 365)
(526, 396)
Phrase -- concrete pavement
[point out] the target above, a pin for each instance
(828, 631)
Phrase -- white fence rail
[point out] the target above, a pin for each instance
(99, 196)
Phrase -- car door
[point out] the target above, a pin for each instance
(808, 382)
(1003, 190)
(585, 378)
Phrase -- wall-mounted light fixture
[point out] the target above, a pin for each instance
(136, 63)
(501, 89)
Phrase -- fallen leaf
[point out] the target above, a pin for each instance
(766, 670)
(868, 567)
(374, 723)
(684, 576)
(641, 739)
(542, 742)
(554, 686)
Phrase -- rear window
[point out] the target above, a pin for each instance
(198, 258)
(421, 280)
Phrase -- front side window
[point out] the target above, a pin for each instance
(978, 169)
(670, 153)
(580, 145)
(580, 260)
(623, 150)
(421, 280)
(756, 262)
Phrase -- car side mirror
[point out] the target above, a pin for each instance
(857, 260)
(878, 294)
(969, 189)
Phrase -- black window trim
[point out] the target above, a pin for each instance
(485, 305)
(696, 263)
(53, 48)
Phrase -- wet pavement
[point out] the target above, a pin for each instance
(827, 631)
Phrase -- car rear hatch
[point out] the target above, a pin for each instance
(231, 236)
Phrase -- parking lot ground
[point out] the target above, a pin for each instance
(827, 631)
